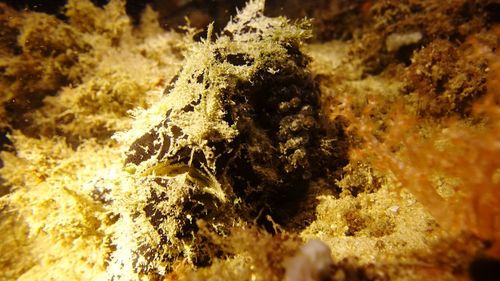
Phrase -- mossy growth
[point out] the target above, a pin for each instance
(236, 139)
(446, 78)
(79, 77)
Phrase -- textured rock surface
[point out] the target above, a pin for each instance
(240, 123)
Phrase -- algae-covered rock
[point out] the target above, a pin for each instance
(224, 172)
(236, 138)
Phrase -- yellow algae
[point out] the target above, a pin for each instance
(128, 152)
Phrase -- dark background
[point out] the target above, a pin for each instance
(332, 18)
(172, 12)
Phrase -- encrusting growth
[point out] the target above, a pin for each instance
(237, 135)
(128, 152)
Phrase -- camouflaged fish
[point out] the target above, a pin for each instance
(240, 123)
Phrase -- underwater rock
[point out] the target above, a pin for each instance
(312, 262)
(236, 138)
